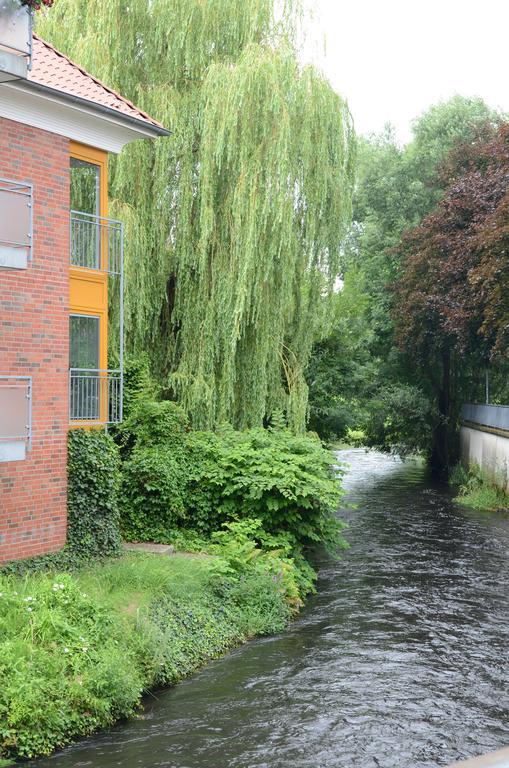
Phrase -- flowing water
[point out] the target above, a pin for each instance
(399, 661)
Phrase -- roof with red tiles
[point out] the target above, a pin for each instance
(54, 70)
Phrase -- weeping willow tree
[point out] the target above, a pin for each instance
(235, 222)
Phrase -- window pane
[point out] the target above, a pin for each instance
(85, 179)
(84, 342)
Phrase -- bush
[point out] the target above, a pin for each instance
(153, 423)
(175, 478)
(138, 383)
(154, 493)
(93, 484)
(155, 472)
(401, 420)
(286, 481)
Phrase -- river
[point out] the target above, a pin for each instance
(399, 661)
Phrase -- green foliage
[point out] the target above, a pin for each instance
(341, 369)
(478, 490)
(139, 385)
(244, 545)
(174, 478)
(155, 487)
(78, 651)
(93, 484)
(153, 423)
(154, 493)
(396, 187)
(401, 420)
(234, 223)
(285, 481)
(61, 668)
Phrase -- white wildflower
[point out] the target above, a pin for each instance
(66, 650)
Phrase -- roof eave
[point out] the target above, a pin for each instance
(150, 130)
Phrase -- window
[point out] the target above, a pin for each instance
(85, 377)
(15, 223)
(84, 342)
(85, 210)
(85, 186)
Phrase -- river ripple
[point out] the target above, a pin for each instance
(400, 661)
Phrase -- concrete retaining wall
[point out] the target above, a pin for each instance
(489, 450)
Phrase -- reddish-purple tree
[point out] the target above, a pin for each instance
(451, 300)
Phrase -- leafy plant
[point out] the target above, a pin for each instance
(36, 5)
(152, 423)
(478, 490)
(401, 420)
(155, 490)
(93, 484)
(78, 651)
(286, 481)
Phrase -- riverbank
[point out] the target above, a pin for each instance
(477, 490)
(79, 650)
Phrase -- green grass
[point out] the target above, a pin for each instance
(79, 650)
(477, 490)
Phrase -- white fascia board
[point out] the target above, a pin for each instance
(74, 121)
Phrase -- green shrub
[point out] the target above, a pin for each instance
(138, 383)
(153, 423)
(154, 493)
(244, 546)
(401, 420)
(174, 478)
(93, 484)
(286, 481)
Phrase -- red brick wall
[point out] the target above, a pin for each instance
(34, 341)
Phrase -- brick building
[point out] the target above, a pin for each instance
(60, 255)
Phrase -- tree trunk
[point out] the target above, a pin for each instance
(440, 454)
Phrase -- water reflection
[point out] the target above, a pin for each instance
(400, 661)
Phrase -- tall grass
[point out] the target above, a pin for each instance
(477, 490)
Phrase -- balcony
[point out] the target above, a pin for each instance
(97, 320)
(96, 242)
(15, 40)
(95, 396)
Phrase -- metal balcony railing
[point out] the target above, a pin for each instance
(97, 242)
(95, 395)
(15, 40)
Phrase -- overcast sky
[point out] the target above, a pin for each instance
(393, 58)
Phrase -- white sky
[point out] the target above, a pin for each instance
(394, 58)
